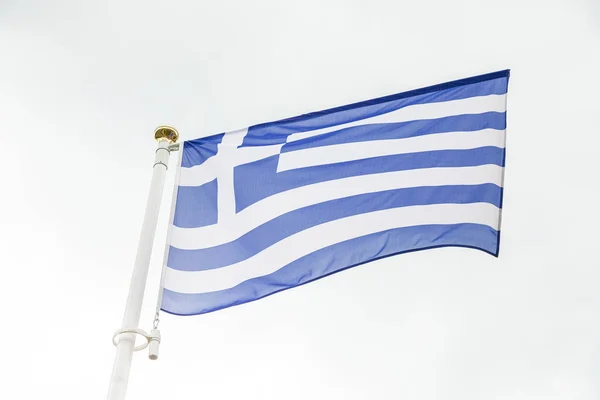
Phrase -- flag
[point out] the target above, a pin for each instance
(267, 208)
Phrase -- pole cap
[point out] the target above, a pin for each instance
(167, 133)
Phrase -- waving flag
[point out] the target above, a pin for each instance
(280, 204)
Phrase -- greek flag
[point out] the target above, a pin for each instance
(267, 208)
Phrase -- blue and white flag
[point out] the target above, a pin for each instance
(277, 205)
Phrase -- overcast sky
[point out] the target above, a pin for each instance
(84, 84)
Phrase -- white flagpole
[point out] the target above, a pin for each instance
(165, 136)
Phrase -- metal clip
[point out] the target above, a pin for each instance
(153, 343)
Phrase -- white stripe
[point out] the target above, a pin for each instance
(200, 174)
(283, 202)
(376, 148)
(226, 151)
(471, 105)
(320, 236)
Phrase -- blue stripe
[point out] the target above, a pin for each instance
(260, 179)
(278, 131)
(333, 259)
(196, 152)
(295, 221)
(196, 205)
(402, 130)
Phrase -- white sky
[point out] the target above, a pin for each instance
(84, 84)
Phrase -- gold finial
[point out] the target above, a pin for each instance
(166, 133)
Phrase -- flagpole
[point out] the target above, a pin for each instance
(125, 342)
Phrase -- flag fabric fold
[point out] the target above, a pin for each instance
(277, 205)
